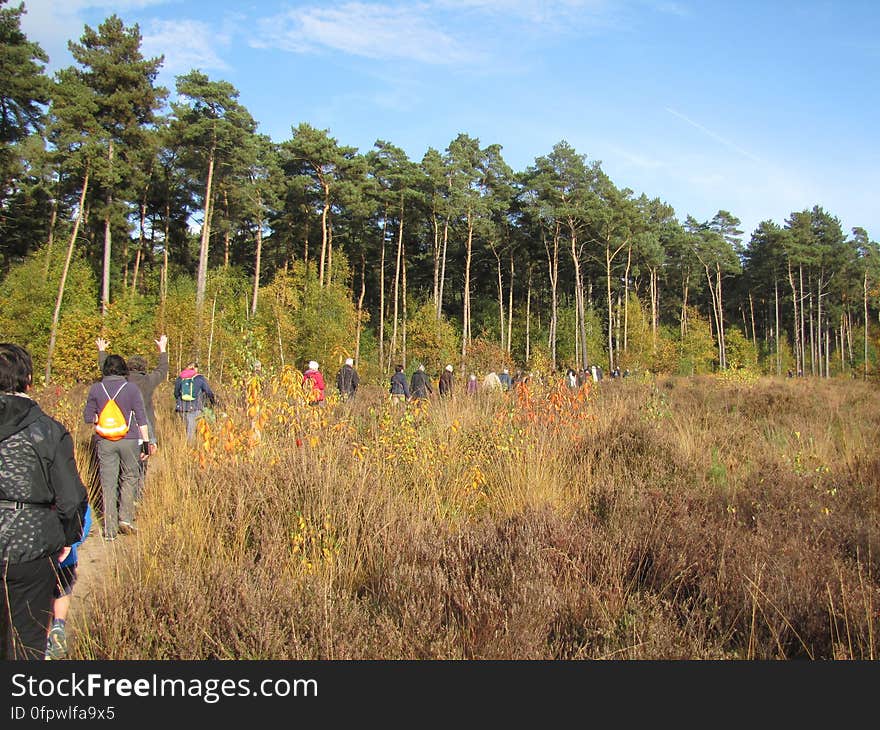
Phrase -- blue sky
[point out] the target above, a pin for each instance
(759, 108)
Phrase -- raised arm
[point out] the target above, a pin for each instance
(161, 370)
(102, 351)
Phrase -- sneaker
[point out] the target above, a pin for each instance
(56, 643)
(126, 528)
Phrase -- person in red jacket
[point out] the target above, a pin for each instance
(313, 384)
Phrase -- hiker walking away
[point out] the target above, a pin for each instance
(420, 386)
(446, 382)
(571, 378)
(492, 382)
(42, 505)
(191, 392)
(313, 384)
(116, 408)
(56, 641)
(399, 387)
(505, 380)
(146, 383)
(347, 380)
(472, 384)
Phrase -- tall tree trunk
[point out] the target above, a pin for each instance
(392, 350)
(56, 315)
(227, 229)
(714, 320)
(510, 306)
(528, 314)
(580, 324)
(752, 310)
(443, 268)
(776, 303)
(653, 287)
(202, 279)
(501, 323)
(803, 322)
(324, 212)
(626, 298)
(163, 277)
(307, 231)
(360, 311)
(382, 290)
(435, 255)
(466, 293)
(609, 259)
(812, 338)
(866, 323)
(685, 287)
(403, 302)
(329, 248)
(105, 279)
(553, 273)
(721, 317)
(795, 298)
(257, 258)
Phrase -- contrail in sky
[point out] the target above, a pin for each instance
(717, 137)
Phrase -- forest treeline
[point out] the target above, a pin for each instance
(127, 211)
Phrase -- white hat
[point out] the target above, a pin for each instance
(349, 361)
(313, 365)
(449, 368)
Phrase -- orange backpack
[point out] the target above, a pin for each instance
(112, 424)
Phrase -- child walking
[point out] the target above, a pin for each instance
(56, 641)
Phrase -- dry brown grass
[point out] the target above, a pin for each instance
(675, 519)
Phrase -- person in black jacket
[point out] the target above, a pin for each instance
(399, 386)
(347, 380)
(420, 385)
(446, 381)
(42, 507)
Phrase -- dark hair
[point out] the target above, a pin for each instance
(114, 365)
(16, 368)
(398, 368)
(137, 364)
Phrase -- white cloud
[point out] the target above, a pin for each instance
(375, 31)
(536, 11)
(672, 8)
(186, 44)
(52, 23)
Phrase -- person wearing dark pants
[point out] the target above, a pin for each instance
(42, 506)
(118, 460)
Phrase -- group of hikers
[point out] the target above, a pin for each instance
(44, 509)
(419, 387)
